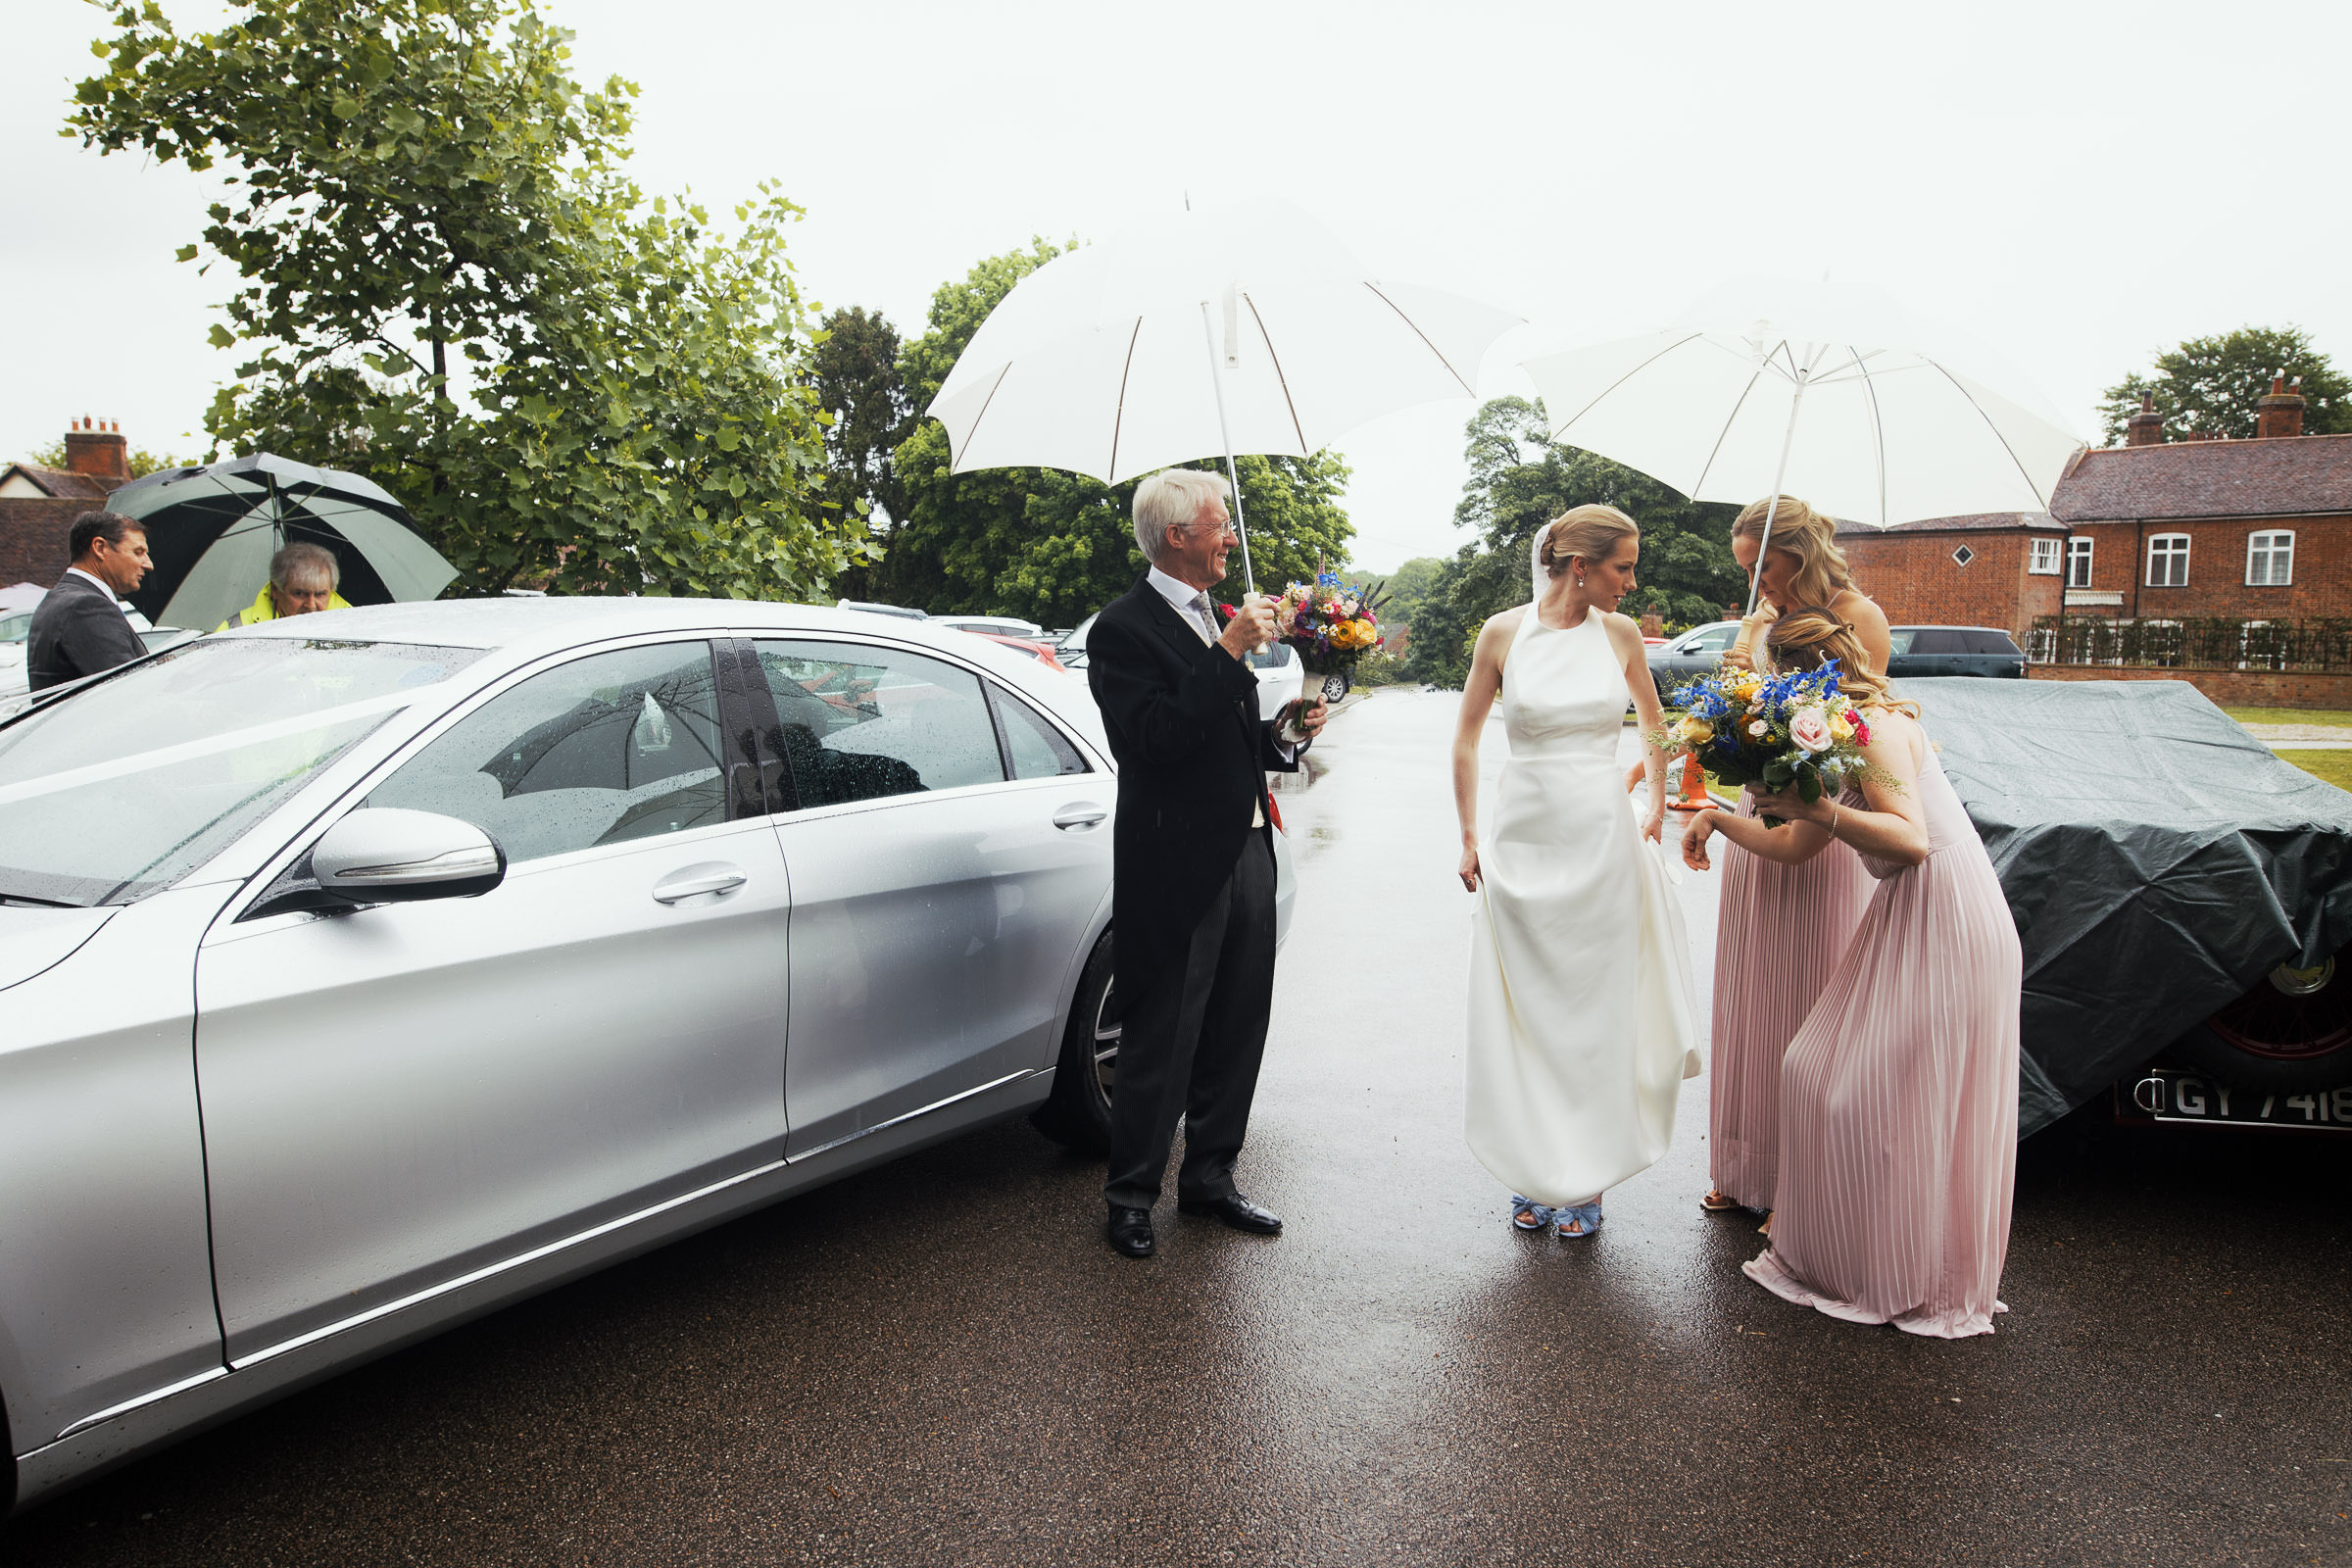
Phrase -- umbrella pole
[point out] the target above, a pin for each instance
(1233, 472)
(1755, 579)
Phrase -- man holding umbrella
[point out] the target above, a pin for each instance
(303, 578)
(80, 629)
(1193, 884)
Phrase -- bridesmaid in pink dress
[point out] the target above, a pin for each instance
(1779, 928)
(1898, 1096)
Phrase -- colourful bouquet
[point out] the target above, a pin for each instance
(1779, 731)
(1332, 625)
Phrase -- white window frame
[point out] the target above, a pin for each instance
(2276, 547)
(2162, 546)
(2045, 558)
(2078, 554)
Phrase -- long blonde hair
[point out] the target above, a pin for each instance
(1805, 639)
(1800, 532)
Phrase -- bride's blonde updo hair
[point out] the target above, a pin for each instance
(1589, 533)
(1798, 531)
(1806, 639)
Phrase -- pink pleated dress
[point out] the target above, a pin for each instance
(1898, 1099)
(1781, 931)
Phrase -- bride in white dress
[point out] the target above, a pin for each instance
(1580, 1003)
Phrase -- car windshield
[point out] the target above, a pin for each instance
(114, 793)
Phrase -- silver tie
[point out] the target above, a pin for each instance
(1205, 619)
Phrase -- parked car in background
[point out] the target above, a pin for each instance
(1696, 651)
(1280, 677)
(434, 953)
(1925, 651)
(1000, 625)
(899, 611)
(1040, 652)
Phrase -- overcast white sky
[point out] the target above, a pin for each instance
(2078, 185)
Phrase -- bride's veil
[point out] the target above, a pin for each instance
(1534, 562)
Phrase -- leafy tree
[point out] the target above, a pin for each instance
(1051, 545)
(855, 370)
(447, 285)
(2208, 386)
(1520, 479)
(142, 462)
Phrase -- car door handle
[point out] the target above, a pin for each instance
(1078, 816)
(696, 880)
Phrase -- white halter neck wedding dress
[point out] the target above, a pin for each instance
(1581, 1007)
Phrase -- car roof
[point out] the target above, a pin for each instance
(515, 631)
(1940, 625)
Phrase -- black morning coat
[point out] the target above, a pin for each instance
(1193, 754)
(78, 630)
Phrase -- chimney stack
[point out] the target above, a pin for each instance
(2146, 427)
(2279, 411)
(96, 448)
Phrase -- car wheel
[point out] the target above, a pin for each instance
(2292, 1032)
(1077, 1115)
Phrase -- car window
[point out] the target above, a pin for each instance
(1275, 656)
(1937, 640)
(858, 722)
(1898, 639)
(1037, 749)
(1989, 642)
(180, 755)
(16, 627)
(606, 749)
(1709, 642)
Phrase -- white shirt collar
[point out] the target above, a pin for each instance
(87, 577)
(1179, 593)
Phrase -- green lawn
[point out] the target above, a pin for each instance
(2291, 716)
(2336, 768)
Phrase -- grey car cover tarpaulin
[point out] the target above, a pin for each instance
(2158, 859)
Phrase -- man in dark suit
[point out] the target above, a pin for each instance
(78, 629)
(1193, 860)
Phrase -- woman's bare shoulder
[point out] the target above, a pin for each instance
(1506, 622)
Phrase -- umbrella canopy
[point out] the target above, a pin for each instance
(1244, 328)
(212, 528)
(1829, 392)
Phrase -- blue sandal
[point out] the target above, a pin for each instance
(1529, 1215)
(1586, 1217)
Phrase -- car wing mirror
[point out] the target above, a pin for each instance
(385, 855)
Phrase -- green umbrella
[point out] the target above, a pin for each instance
(212, 528)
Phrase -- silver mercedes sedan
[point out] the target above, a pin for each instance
(362, 972)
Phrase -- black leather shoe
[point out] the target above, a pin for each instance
(1235, 1210)
(1130, 1231)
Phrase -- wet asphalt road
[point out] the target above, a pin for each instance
(940, 1362)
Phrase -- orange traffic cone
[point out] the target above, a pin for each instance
(1695, 786)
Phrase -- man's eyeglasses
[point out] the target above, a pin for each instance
(1227, 526)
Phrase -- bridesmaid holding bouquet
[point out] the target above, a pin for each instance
(1898, 1094)
(1781, 928)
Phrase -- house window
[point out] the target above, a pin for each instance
(2271, 560)
(2078, 563)
(1964, 554)
(2168, 561)
(2043, 562)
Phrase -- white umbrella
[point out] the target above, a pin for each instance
(1831, 392)
(1248, 328)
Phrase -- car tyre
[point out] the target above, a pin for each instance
(1077, 1115)
(2292, 1032)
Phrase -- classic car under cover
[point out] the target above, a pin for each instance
(2158, 859)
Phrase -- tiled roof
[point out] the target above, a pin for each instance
(1971, 522)
(2282, 477)
(59, 482)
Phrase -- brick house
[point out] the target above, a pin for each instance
(1999, 568)
(2260, 529)
(38, 506)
